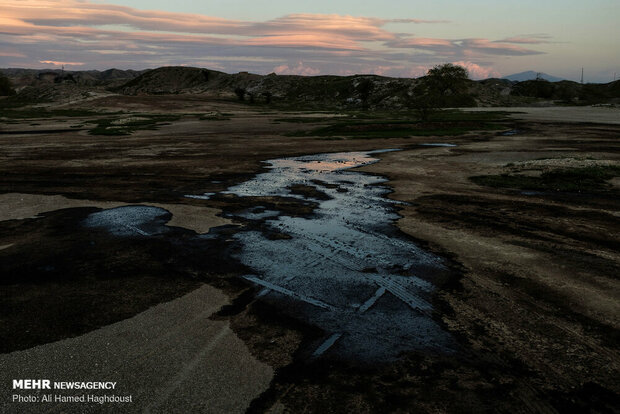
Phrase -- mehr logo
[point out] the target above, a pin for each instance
(32, 384)
(44, 384)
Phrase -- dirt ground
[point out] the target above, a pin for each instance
(533, 300)
(214, 362)
(539, 284)
(586, 114)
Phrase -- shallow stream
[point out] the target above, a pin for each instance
(347, 268)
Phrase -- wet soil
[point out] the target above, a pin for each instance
(63, 279)
(309, 191)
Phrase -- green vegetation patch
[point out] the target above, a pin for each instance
(586, 179)
(401, 124)
(128, 125)
(219, 117)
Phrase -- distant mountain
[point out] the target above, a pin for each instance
(531, 75)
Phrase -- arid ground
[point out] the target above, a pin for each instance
(524, 209)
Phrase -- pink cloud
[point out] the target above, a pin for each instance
(477, 71)
(358, 28)
(465, 47)
(383, 70)
(304, 40)
(84, 31)
(75, 13)
(423, 42)
(56, 63)
(66, 16)
(486, 46)
(300, 69)
(527, 39)
(11, 54)
(84, 13)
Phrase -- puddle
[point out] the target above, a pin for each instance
(438, 144)
(130, 220)
(346, 268)
(510, 133)
(204, 196)
(258, 213)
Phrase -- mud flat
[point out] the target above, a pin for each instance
(539, 289)
(587, 114)
(530, 301)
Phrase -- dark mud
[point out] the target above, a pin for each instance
(66, 279)
(526, 220)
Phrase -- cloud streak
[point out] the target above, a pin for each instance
(52, 62)
(83, 33)
(465, 47)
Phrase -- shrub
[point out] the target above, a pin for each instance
(240, 92)
(6, 89)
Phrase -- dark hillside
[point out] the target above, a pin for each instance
(167, 80)
(292, 91)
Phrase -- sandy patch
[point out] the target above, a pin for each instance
(480, 252)
(199, 219)
(170, 358)
(16, 206)
(599, 115)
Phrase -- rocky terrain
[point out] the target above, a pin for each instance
(336, 92)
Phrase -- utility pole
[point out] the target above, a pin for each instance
(582, 76)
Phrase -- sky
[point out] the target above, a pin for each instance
(340, 37)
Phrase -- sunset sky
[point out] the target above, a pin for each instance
(389, 37)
